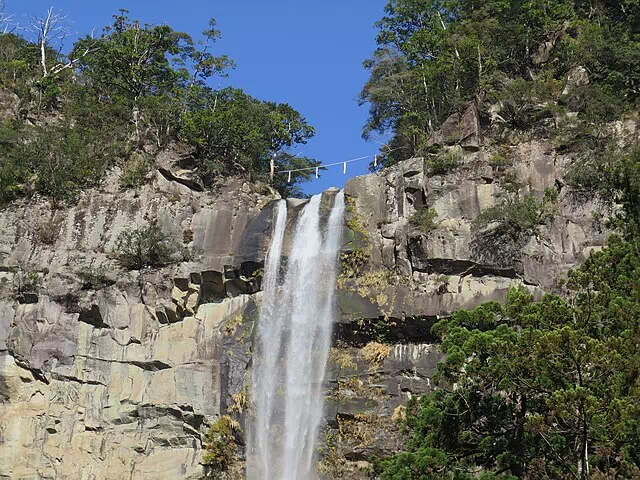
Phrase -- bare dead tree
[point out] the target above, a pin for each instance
(49, 30)
(6, 19)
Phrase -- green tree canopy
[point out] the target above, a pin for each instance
(433, 56)
(134, 86)
(537, 389)
(236, 133)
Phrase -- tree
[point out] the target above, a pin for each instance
(134, 60)
(150, 67)
(537, 389)
(435, 56)
(50, 29)
(6, 19)
(55, 161)
(234, 133)
(205, 64)
(133, 86)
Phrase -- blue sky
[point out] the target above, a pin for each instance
(307, 53)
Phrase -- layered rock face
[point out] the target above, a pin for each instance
(384, 351)
(122, 381)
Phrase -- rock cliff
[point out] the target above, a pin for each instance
(122, 381)
(409, 276)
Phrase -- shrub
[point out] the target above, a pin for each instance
(135, 171)
(594, 103)
(144, 247)
(444, 162)
(234, 133)
(352, 263)
(94, 278)
(342, 359)
(46, 233)
(26, 284)
(522, 102)
(12, 179)
(501, 159)
(220, 446)
(520, 215)
(240, 402)
(424, 219)
(57, 162)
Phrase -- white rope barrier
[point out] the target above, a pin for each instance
(318, 167)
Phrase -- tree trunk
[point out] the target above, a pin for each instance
(43, 55)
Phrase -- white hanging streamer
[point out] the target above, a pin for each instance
(316, 172)
(344, 168)
(289, 179)
(375, 160)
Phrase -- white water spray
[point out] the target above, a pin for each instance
(292, 345)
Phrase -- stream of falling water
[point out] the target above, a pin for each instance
(292, 344)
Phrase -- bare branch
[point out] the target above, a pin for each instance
(49, 30)
(7, 24)
(71, 63)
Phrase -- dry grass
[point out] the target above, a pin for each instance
(343, 360)
(232, 325)
(240, 401)
(399, 414)
(359, 430)
(375, 353)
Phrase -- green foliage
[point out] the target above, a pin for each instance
(26, 284)
(352, 263)
(144, 247)
(55, 161)
(135, 171)
(13, 170)
(235, 133)
(435, 56)
(134, 86)
(518, 215)
(500, 160)
(424, 219)
(132, 60)
(19, 65)
(220, 445)
(444, 162)
(95, 278)
(614, 177)
(521, 102)
(536, 389)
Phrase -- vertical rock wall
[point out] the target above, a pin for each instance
(122, 381)
(384, 351)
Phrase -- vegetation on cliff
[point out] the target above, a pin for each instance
(436, 56)
(136, 88)
(532, 388)
(537, 389)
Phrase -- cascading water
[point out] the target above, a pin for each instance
(293, 341)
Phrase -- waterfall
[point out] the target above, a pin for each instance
(292, 343)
